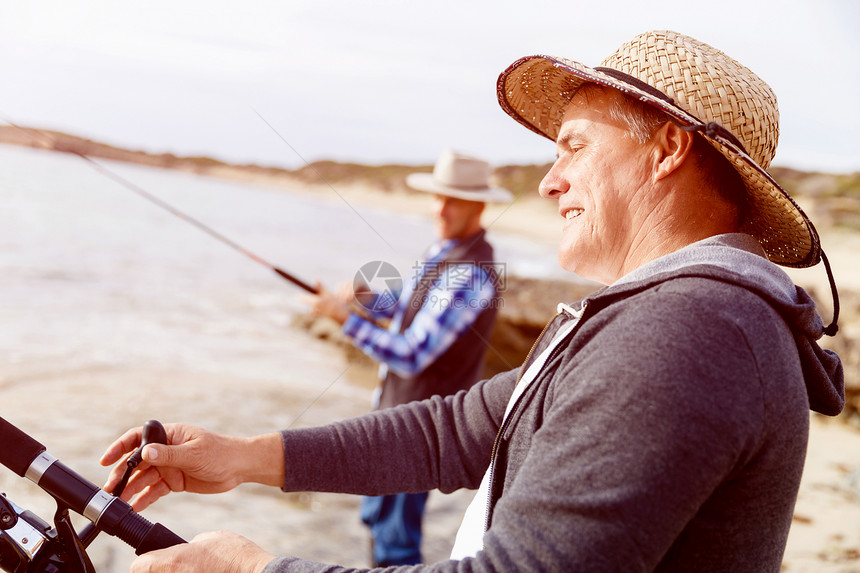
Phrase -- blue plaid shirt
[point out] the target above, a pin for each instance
(451, 306)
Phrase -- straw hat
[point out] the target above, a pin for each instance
(698, 86)
(460, 176)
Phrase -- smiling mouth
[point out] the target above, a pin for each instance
(572, 213)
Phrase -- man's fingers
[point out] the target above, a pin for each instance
(123, 445)
(150, 484)
(118, 451)
(141, 479)
(149, 495)
(171, 456)
(154, 561)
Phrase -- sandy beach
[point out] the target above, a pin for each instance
(215, 355)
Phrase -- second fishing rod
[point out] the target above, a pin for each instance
(53, 144)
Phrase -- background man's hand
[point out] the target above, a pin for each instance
(326, 303)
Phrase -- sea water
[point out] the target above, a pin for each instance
(92, 272)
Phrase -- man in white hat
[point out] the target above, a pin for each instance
(658, 425)
(439, 327)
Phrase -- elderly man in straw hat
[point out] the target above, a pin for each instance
(438, 332)
(658, 425)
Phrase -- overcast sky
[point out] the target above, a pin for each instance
(396, 81)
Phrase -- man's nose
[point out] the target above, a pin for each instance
(553, 183)
(442, 208)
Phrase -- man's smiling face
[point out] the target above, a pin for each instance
(600, 181)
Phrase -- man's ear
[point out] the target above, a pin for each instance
(673, 146)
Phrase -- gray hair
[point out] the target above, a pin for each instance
(643, 121)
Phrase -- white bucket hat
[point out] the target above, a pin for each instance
(702, 89)
(460, 176)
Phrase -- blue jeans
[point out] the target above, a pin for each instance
(395, 524)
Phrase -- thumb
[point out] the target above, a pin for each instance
(161, 455)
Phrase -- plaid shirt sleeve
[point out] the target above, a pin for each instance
(452, 305)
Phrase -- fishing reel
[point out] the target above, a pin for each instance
(28, 544)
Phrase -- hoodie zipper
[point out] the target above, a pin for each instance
(562, 309)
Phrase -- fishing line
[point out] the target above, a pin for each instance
(166, 206)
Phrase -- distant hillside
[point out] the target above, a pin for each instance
(833, 200)
(57, 141)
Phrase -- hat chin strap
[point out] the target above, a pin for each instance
(832, 328)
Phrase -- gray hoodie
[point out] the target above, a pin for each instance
(667, 433)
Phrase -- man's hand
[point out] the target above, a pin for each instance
(195, 460)
(215, 552)
(346, 292)
(326, 303)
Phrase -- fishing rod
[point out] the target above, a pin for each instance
(53, 144)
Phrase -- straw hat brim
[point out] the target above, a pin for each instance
(535, 91)
(426, 182)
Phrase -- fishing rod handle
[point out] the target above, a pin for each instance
(144, 535)
(18, 449)
(28, 458)
(120, 520)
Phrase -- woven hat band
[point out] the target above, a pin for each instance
(712, 129)
(635, 82)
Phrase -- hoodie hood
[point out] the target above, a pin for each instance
(739, 259)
